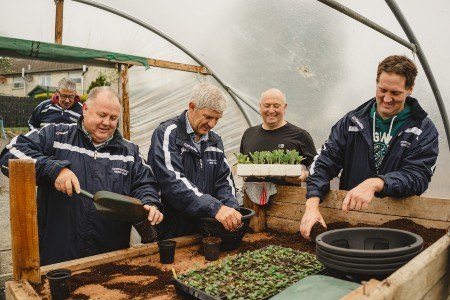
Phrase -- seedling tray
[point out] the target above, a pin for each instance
(257, 274)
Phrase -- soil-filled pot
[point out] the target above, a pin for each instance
(167, 251)
(230, 239)
(146, 230)
(59, 281)
(211, 247)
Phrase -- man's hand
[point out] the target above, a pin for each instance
(310, 217)
(154, 215)
(297, 180)
(229, 217)
(360, 196)
(67, 182)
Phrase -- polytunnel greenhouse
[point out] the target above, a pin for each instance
(322, 55)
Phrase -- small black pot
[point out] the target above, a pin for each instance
(146, 230)
(211, 247)
(167, 251)
(230, 239)
(59, 281)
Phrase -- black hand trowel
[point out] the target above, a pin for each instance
(125, 209)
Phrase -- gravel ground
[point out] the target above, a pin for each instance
(5, 236)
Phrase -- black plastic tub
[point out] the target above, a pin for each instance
(230, 239)
(369, 242)
(373, 260)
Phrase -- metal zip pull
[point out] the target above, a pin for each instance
(201, 163)
(95, 154)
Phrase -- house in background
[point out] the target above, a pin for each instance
(26, 76)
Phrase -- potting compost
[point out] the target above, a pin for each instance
(145, 277)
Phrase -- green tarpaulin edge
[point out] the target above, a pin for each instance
(54, 52)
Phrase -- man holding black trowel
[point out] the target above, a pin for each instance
(189, 162)
(91, 155)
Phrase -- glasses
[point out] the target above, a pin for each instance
(64, 97)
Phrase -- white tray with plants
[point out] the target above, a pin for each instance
(269, 163)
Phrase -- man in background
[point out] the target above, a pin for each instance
(64, 107)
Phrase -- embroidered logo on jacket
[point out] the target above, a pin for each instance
(61, 132)
(186, 145)
(211, 161)
(120, 171)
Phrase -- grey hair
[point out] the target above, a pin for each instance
(273, 90)
(99, 89)
(67, 84)
(206, 95)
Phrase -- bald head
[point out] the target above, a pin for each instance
(272, 107)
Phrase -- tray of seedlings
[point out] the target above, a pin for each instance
(257, 274)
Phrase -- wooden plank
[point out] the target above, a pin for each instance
(415, 279)
(95, 260)
(294, 212)
(258, 221)
(177, 66)
(441, 290)
(18, 290)
(59, 21)
(125, 98)
(363, 290)
(23, 218)
(413, 207)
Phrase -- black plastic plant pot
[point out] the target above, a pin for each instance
(59, 281)
(362, 266)
(211, 247)
(374, 260)
(146, 230)
(369, 242)
(230, 239)
(167, 251)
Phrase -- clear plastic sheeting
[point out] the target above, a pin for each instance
(159, 95)
(324, 61)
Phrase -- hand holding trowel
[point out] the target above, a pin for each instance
(126, 209)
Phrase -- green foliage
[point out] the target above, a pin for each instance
(101, 80)
(289, 157)
(253, 275)
(5, 65)
(49, 95)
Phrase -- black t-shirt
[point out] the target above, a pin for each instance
(287, 137)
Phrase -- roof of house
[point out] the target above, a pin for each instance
(38, 66)
(38, 89)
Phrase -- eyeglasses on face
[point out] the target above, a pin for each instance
(64, 96)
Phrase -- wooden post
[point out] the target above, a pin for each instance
(59, 21)
(23, 216)
(258, 222)
(125, 101)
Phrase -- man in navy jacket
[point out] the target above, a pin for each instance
(63, 107)
(90, 154)
(385, 147)
(189, 163)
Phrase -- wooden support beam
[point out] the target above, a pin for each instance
(23, 217)
(125, 101)
(59, 21)
(258, 221)
(177, 66)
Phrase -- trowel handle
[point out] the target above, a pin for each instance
(86, 194)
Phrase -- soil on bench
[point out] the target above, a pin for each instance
(145, 278)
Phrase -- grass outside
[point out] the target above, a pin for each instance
(16, 130)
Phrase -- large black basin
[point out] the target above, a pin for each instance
(230, 239)
(367, 250)
(369, 242)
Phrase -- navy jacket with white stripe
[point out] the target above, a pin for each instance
(406, 168)
(71, 227)
(48, 112)
(193, 183)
